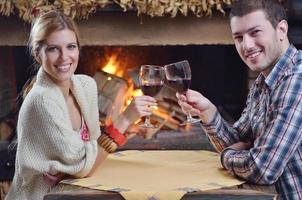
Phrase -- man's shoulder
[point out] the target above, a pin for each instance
(298, 57)
(297, 62)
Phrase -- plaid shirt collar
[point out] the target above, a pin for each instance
(275, 75)
(281, 67)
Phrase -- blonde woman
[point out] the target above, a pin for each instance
(58, 128)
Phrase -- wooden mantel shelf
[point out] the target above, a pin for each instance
(121, 29)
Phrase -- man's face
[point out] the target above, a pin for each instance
(257, 42)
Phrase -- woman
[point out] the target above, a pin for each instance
(58, 128)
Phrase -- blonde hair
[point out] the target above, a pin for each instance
(42, 27)
(46, 24)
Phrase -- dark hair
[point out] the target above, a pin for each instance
(273, 9)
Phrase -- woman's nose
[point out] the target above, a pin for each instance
(63, 54)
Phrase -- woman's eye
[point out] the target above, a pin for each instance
(72, 46)
(51, 49)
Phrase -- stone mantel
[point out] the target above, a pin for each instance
(118, 28)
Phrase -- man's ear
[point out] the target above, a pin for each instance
(282, 29)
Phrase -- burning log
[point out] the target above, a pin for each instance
(116, 88)
(112, 94)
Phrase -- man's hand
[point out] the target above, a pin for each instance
(197, 105)
(241, 146)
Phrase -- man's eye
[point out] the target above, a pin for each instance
(255, 32)
(238, 38)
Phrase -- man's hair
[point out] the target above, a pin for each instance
(273, 9)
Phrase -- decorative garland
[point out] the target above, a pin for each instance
(81, 9)
(173, 7)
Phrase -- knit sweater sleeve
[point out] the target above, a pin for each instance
(48, 142)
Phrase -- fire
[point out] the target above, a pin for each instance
(112, 67)
(133, 93)
(137, 92)
(118, 68)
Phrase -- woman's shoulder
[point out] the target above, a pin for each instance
(85, 80)
(40, 97)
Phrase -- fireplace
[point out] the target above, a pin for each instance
(217, 70)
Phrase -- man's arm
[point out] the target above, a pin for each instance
(221, 133)
(278, 142)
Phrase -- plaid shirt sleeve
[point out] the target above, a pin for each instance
(222, 134)
(277, 141)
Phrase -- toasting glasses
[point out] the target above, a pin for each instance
(151, 79)
(178, 76)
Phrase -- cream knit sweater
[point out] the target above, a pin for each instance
(46, 139)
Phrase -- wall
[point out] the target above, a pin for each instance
(118, 28)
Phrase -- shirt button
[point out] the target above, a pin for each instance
(255, 118)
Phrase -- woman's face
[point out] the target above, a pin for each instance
(60, 55)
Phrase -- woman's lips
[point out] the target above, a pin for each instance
(64, 67)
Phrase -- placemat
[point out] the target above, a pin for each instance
(168, 175)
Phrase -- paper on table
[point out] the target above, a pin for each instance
(139, 175)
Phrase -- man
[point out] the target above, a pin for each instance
(265, 145)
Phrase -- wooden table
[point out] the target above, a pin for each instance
(242, 192)
(193, 141)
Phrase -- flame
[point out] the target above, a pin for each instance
(137, 92)
(112, 67)
(134, 93)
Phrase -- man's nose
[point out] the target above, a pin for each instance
(248, 42)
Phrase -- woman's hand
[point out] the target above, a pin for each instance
(53, 180)
(197, 105)
(139, 107)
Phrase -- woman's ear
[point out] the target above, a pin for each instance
(37, 57)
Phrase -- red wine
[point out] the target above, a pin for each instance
(151, 89)
(180, 85)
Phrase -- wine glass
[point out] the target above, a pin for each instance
(178, 76)
(151, 79)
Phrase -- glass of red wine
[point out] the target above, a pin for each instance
(151, 79)
(178, 77)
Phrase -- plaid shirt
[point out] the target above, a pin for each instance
(272, 122)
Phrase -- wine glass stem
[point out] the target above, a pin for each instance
(147, 120)
(189, 117)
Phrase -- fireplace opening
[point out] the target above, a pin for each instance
(217, 72)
